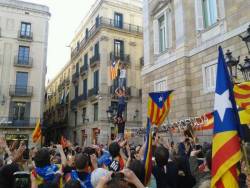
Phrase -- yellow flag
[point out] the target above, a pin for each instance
(37, 133)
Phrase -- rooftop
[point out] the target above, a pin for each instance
(27, 6)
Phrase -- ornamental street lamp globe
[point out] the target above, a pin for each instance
(232, 64)
(245, 69)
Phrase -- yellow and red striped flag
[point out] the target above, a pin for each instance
(226, 152)
(242, 95)
(159, 106)
(37, 133)
(208, 122)
(114, 69)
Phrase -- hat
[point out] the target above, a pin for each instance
(97, 174)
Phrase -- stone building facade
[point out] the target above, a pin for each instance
(181, 40)
(111, 30)
(23, 56)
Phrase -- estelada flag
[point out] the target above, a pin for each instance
(37, 133)
(114, 69)
(226, 152)
(159, 106)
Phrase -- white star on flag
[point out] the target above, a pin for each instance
(160, 99)
(221, 103)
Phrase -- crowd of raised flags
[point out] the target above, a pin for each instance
(231, 112)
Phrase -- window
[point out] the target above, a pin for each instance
(21, 80)
(160, 85)
(96, 81)
(162, 30)
(96, 49)
(85, 87)
(19, 109)
(119, 48)
(25, 29)
(97, 21)
(77, 67)
(209, 12)
(86, 59)
(206, 12)
(162, 33)
(96, 112)
(209, 76)
(86, 33)
(76, 91)
(118, 20)
(84, 111)
(23, 55)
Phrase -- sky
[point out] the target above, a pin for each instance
(66, 16)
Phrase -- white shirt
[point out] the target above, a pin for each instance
(123, 73)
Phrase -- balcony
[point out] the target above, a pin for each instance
(94, 60)
(79, 100)
(125, 58)
(27, 36)
(12, 122)
(114, 96)
(19, 62)
(92, 93)
(84, 70)
(21, 91)
(106, 23)
(75, 77)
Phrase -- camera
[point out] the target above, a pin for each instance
(22, 179)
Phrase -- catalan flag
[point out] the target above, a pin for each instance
(158, 106)
(208, 122)
(148, 154)
(242, 95)
(37, 133)
(114, 69)
(226, 151)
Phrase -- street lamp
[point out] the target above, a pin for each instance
(246, 38)
(245, 69)
(232, 64)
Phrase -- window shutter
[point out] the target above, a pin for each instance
(156, 36)
(199, 15)
(169, 30)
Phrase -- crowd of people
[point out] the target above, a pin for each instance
(118, 164)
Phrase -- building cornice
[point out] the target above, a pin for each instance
(26, 6)
(181, 54)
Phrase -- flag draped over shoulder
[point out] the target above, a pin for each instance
(37, 133)
(226, 151)
(114, 69)
(148, 154)
(158, 106)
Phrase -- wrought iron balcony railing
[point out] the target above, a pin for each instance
(25, 35)
(13, 122)
(23, 62)
(21, 91)
(93, 92)
(123, 57)
(75, 76)
(83, 69)
(94, 60)
(105, 23)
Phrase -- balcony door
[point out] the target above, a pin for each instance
(119, 49)
(25, 29)
(96, 81)
(96, 50)
(23, 55)
(118, 20)
(21, 83)
(20, 113)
